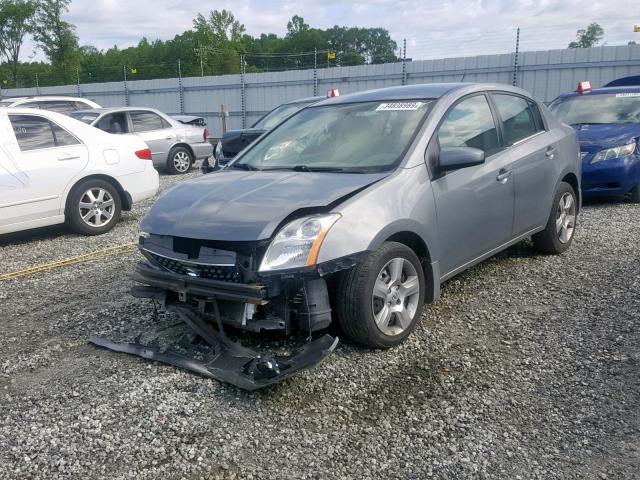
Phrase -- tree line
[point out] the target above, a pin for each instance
(217, 44)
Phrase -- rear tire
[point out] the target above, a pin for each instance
(180, 161)
(560, 230)
(379, 301)
(93, 208)
(635, 194)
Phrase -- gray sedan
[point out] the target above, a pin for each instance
(359, 208)
(175, 146)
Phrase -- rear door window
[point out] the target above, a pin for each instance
(518, 118)
(470, 124)
(34, 133)
(115, 123)
(147, 122)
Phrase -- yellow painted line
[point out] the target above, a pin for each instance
(87, 257)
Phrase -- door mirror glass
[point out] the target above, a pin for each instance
(459, 157)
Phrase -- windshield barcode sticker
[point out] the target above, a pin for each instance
(630, 94)
(390, 107)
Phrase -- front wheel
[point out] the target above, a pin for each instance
(635, 194)
(558, 234)
(180, 161)
(379, 301)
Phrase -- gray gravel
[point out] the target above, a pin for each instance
(526, 368)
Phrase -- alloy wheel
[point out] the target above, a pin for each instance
(97, 207)
(181, 161)
(395, 298)
(566, 218)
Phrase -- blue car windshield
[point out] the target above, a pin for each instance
(598, 108)
(354, 137)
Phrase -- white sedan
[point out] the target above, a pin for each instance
(54, 169)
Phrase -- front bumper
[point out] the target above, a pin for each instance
(611, 177)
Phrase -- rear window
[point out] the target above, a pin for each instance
(84, 117)
(57, 106)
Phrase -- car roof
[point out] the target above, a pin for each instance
(102, 110)
(602, 91)
(426, 90)
(305, 100)
(43, 97)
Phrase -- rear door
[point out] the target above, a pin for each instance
(47, 157)
(532, 152)
(158, 134)
(474, 204)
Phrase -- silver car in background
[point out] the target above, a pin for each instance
(175, 146)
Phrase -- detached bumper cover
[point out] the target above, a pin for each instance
(230, 362)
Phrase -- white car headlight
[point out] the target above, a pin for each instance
(298, 243)
(616, 152)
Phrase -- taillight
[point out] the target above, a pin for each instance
(144, 154)
(205, 134)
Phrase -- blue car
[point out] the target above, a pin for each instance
(607, 121)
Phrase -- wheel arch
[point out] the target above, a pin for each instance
(125, 197)
(572, 179)
(184, 145)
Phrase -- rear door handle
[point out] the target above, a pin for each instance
(64, 158)
(550, 153)
(503, 176)
(170, 137)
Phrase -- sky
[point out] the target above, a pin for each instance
(433, 29)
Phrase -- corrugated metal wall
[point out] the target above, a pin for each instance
(545, 74)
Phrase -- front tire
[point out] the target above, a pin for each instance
(94, 207)
(559, 232)
(180, 161)
(635, 194)
(380, 300)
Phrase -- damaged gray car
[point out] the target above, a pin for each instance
(354, 210)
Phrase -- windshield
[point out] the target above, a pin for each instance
(599, 108)
(85, 117)
(356, 137)
(275, 116)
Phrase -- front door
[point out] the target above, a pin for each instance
(474, 204)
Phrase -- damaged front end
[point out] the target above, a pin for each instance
(213, 285)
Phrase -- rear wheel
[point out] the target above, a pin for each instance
(379, 301)
(180, 160)
(94, 207)
(558, 234)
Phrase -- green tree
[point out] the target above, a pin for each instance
(220, 37)
(588, 37)
(57, 38)
(16, 21)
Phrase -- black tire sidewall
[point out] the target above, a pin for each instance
(369, 334)
(172, 153)
(547, 240)
(74, 220)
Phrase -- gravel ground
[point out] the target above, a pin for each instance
(526, 368)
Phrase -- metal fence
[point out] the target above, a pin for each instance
(247, 97)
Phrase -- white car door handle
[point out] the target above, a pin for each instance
(170, 137)
(550, 153)
(64, 158)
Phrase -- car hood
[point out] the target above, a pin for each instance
(606, 136)
(245, 206)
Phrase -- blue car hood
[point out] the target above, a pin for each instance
(606, 136)
(244, 206)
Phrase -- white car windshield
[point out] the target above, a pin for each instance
(356, 137)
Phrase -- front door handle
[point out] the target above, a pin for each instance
(550, 153)
(503, 176)
(64, 158)
(170, 137)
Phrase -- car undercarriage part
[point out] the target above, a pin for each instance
(229, 361)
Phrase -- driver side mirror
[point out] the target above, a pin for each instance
(459, 157)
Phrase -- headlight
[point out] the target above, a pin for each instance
(616, 152)
(298, 243)
(218, 153)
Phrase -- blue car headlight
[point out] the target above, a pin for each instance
(616, 152)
